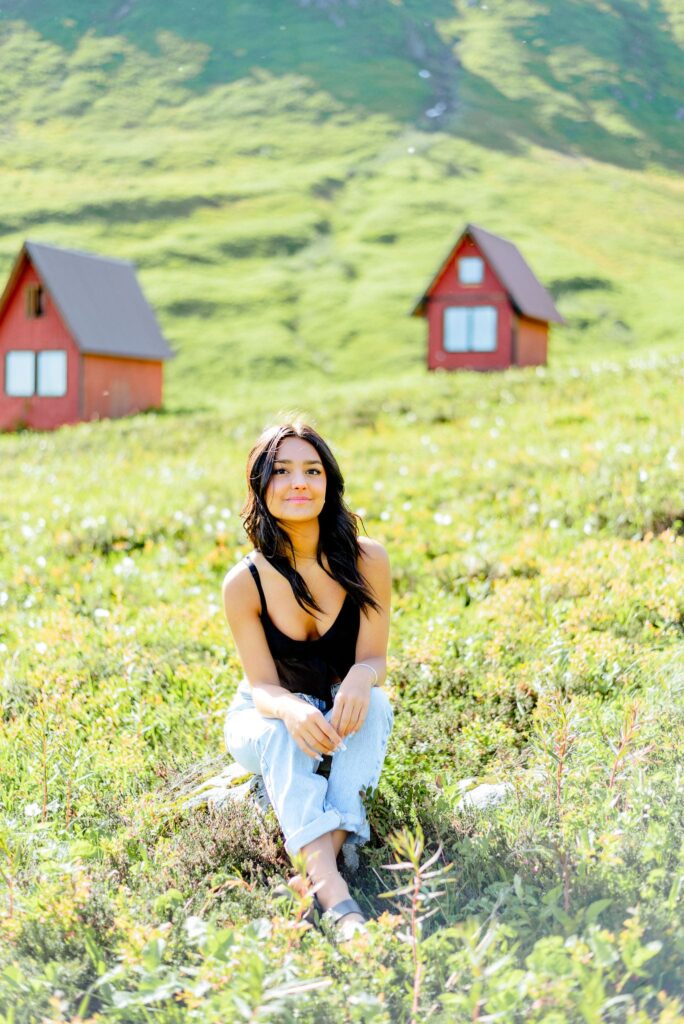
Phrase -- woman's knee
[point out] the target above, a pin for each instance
(275, 735)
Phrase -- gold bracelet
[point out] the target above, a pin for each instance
(364, 664)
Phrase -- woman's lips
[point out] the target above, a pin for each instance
(298, 501)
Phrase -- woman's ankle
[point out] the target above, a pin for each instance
(332, 892)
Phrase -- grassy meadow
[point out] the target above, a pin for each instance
(534, 521)
(287, 176)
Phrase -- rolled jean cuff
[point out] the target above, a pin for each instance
(327, 822)
(358, 828)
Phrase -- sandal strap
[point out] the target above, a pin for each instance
(349, 906)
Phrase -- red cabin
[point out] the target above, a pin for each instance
(78, 340)
(485, 308)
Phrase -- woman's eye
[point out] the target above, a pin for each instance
(277, 472)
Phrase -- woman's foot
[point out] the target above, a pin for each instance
(346, 918)
(299, 884)
(294, 884)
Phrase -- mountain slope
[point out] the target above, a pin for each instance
(285, 204)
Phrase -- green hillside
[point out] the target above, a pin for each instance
(287, 175)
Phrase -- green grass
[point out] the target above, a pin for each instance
(534, 521)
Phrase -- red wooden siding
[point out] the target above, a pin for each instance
(115, 387)
(531, 342)
(40, 334)
(448, 291)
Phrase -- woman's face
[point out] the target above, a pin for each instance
(296, 491)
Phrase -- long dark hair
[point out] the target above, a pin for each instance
(338, 525)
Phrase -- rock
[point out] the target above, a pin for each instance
(487, 794)
(233, 785)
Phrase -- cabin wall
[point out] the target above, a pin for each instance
(17, 331)
(531, 342)
(448, 291)
(114, 387)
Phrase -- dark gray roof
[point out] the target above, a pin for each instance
(101, 303)
(526, 293)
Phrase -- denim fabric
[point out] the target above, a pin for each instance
(307, 804)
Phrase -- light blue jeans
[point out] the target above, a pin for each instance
(306, 804)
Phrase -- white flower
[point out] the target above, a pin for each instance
(385, 515)
(4, 598)
(126, 567)
(32, 810)
(442, 518)
(101, 613)
(41, 647)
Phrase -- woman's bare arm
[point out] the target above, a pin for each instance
(241, 605)
(353, 697)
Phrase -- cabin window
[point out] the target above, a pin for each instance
(34, 301)
(20, 374)
(36, 373)
(470, 329)
(52, 374)
(471, 270)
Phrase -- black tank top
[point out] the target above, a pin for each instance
(312, 666)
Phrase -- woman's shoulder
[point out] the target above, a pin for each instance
(372, 552)
(237, 583)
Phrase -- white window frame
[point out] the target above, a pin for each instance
(471, 270)
(38, 386)
(44, 357)
(8, 357)
(462, 324)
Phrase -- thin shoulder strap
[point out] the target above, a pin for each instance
(255, 573)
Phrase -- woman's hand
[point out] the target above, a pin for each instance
(351, 705)
(310, 729)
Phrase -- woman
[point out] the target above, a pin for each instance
(309, 612)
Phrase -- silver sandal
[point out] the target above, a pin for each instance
(334, 917)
